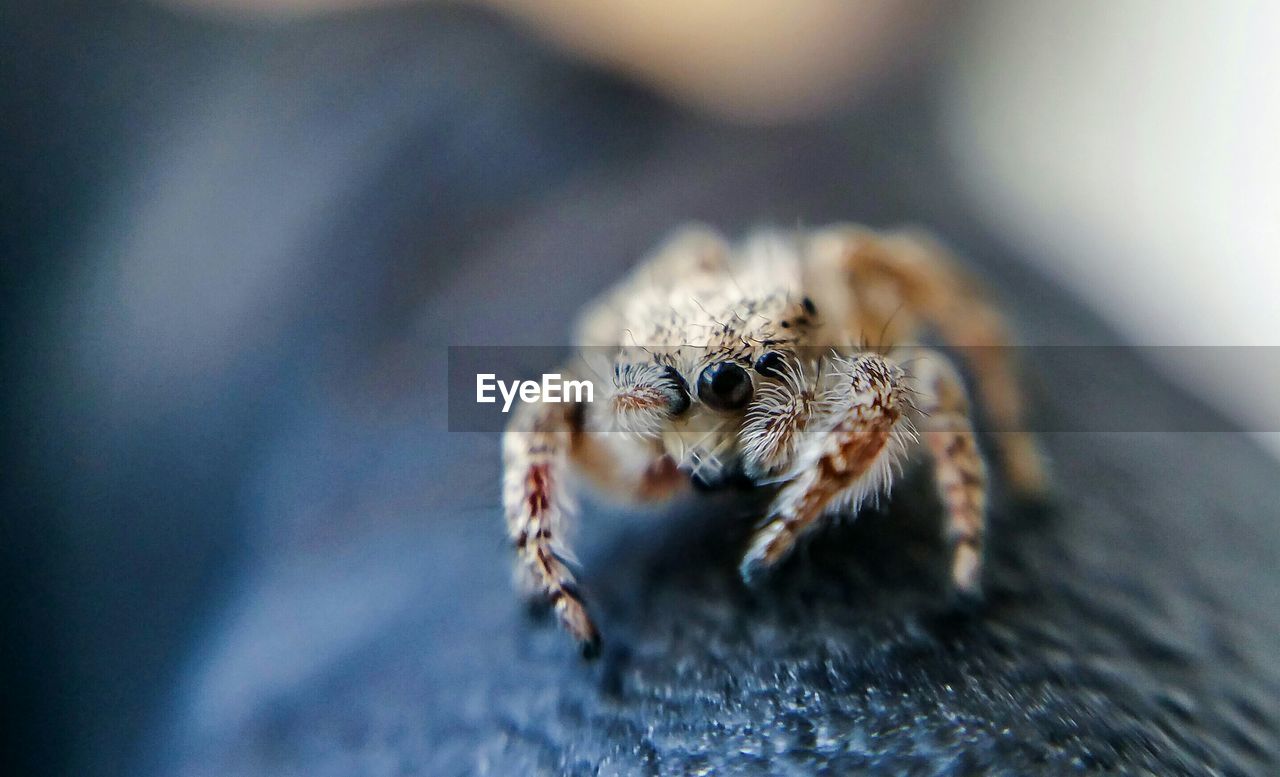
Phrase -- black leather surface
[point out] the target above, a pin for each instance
(284, 563)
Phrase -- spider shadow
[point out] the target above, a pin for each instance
(672, 578)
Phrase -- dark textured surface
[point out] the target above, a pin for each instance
(292, 567)
(1131, 626)
(1108, 644)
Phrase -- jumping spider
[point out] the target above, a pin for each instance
(713, 360)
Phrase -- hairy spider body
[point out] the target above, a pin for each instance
(713, 361)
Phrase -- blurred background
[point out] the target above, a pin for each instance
(237, 235)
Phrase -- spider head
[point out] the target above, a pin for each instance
(699, 403)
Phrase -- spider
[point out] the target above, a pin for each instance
(714, 361)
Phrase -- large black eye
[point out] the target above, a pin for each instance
(681, 402)
(770, 364)
(725, 386)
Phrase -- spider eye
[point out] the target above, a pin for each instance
(770, 364)
(681, 403)
(724, 386)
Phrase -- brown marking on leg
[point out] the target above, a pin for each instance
(660, 480)
(855, 453)
(962, 486)
(640, 474)
(902, 280)
(535, 451)
(540, 446)
(958, 468)
(847, 465)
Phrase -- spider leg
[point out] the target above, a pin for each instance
(626, 468)
(535, 454)
(904, 280)
(543, 445)
(845, 461)
(958, 469)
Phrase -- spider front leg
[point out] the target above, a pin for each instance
(535, 458)
(901, 280)
(541, 446)
(845, 455)
(958, 468)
